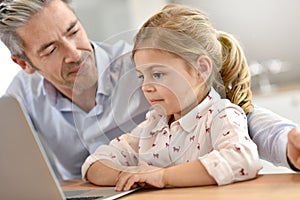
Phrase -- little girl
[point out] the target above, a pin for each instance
(198, 83)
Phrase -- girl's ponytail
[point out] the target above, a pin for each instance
(235, 72)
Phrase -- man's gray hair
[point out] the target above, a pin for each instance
(15, 14)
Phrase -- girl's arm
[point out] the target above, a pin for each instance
(107, 173)
(103, 166)
(103, 173)
(183, 175)
(188, 174)
(234, 156)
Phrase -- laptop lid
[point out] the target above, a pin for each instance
(24, 169)
(25, 172)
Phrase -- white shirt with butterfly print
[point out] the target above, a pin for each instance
(215, 132)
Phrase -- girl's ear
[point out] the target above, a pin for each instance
(23, 64)
(204, 66)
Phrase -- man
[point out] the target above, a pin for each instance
(72, 90)
(80, 94)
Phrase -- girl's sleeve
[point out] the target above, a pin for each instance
(234, 156)
(122, 151)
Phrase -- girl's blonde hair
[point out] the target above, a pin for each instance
(188, 33)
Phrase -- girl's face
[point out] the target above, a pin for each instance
(171, 85)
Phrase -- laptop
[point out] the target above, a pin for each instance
(25, 171)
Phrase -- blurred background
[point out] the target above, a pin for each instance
(268, 31)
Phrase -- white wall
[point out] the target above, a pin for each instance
(267, 29)
(8, 68)
(111, 20)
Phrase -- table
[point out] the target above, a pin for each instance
(265, 187)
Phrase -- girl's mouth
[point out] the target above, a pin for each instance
(155, 101)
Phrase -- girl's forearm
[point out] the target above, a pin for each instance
(102, 173)
(188, 174)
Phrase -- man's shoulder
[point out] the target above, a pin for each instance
(24, 84)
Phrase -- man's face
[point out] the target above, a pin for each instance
(58, 47)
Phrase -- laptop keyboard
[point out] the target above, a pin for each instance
(95, 193)
(83, 198)
(79, 195)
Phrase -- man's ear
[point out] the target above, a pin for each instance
(23, 64)
(204, 65)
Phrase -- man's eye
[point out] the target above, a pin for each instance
(49, 52)
(157, 75)
(74, 32)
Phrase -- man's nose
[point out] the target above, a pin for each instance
(72, 53)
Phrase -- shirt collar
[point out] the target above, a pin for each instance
(190, 120)
(55, 98)
(49, 90)
(102, 62)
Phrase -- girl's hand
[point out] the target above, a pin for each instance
(142, 177)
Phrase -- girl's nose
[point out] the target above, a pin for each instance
(148, 87)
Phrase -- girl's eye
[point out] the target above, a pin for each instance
(157, 75)
(140, 77)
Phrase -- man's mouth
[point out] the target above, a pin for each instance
(80, 68)
(75, 70)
